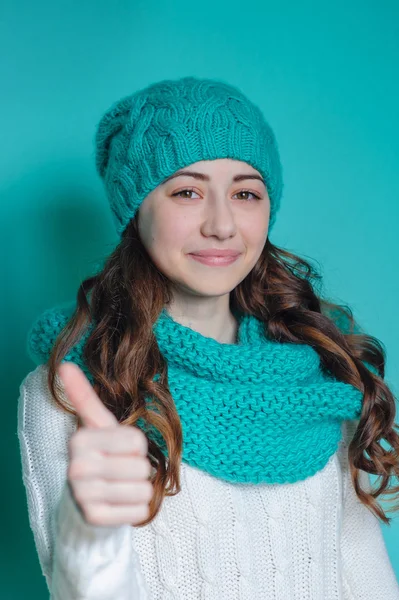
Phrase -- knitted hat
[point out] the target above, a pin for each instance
(146, 136)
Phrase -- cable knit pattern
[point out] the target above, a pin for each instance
(167, 554)
(243, 539)
(215, 540)
(146, 136)
(313, 532)
(205, 542)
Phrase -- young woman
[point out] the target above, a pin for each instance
(201, 423)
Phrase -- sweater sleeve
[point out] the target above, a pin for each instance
(79, 561)
(367, 573)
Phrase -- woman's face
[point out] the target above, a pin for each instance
(217, 213)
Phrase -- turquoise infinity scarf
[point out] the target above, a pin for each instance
(257, 411)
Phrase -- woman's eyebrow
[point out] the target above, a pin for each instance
(204, 177)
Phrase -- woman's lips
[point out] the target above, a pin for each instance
(215, 261)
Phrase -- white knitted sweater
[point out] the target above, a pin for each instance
(311, 540)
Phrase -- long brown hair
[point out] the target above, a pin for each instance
(122, 354)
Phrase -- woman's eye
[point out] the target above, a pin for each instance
(255, 196)
(182, 192)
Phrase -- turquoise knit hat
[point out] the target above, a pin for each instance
(146, 136)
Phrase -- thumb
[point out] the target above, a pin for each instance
(83, 398)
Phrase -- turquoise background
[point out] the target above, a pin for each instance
(326, 77)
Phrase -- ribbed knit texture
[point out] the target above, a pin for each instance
(255, 411)
(146, 136)
(215, 540)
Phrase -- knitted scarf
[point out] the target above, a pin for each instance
(258, 411)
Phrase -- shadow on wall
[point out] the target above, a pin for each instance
(53, 243)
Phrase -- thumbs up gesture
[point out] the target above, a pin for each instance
(108, 470)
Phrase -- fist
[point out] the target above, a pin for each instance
(108, 469)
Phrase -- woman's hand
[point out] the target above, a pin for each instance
(108, 471)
